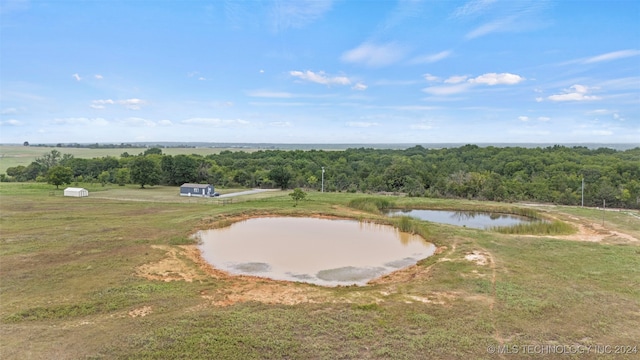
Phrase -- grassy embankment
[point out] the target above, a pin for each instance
(69, 286)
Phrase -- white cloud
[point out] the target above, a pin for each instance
(495, 79)
(523, 118)
(462, 83)
(360, 87)
(544, 118)
(76, 76)
(81, 121)
(431, 58)
(375, 55)
(612, 56)
(215, 122)
(10, 122)
(456, 79)
(131, 104)
(361, 124)
(320, 78)
(280, 124)
(574, 93)
(447, 90)
(431, 78)
(98, 77)
(165, 123)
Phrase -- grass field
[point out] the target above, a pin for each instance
(115, 275)
(14, 155)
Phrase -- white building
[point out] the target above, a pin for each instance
(76, 192)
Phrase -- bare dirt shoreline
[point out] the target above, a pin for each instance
(185, 263)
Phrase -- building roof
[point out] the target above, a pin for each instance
(201, 186)
(75, 189)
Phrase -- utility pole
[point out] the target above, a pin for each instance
(323, 179)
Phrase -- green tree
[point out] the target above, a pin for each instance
(59, 175)
(298, 195)
(104, 177)
(122, 176)
(49, 160)
(312, 181)
(153, 151)
(145, 171)
(280, 176)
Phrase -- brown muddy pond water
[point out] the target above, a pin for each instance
(318, 251)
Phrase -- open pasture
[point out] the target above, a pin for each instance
(117, 275)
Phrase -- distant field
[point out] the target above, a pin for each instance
(11, 156)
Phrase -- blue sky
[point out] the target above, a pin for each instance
(295, 71)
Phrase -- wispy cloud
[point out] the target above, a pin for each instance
(359, 87)
(10, 122)
(502, 16)
(280, 124)
(137, 121)
(499, 25)
(421, 126)
(9, 111)
(76, 76)
(574, 93)
(98, 77)
(215, 122)
(81, 121)
(461, 83)
(431, 58)
(445, 90)
(456, 79)
(361, 124)
(320, 78)
(131, 104)
(431, 78)
(287, 14)
(375, 55)
(615, 55)
(472, 8)
(270, 94)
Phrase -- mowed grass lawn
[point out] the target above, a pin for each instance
(70, 286)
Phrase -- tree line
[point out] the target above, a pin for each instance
(552, 174)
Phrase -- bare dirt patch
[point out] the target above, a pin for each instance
(140, 312)
(477, 257)
(172, 267)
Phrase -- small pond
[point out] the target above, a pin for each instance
(470, 219)
(318, 251)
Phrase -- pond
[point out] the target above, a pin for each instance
(318, 251)
(470, 219)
